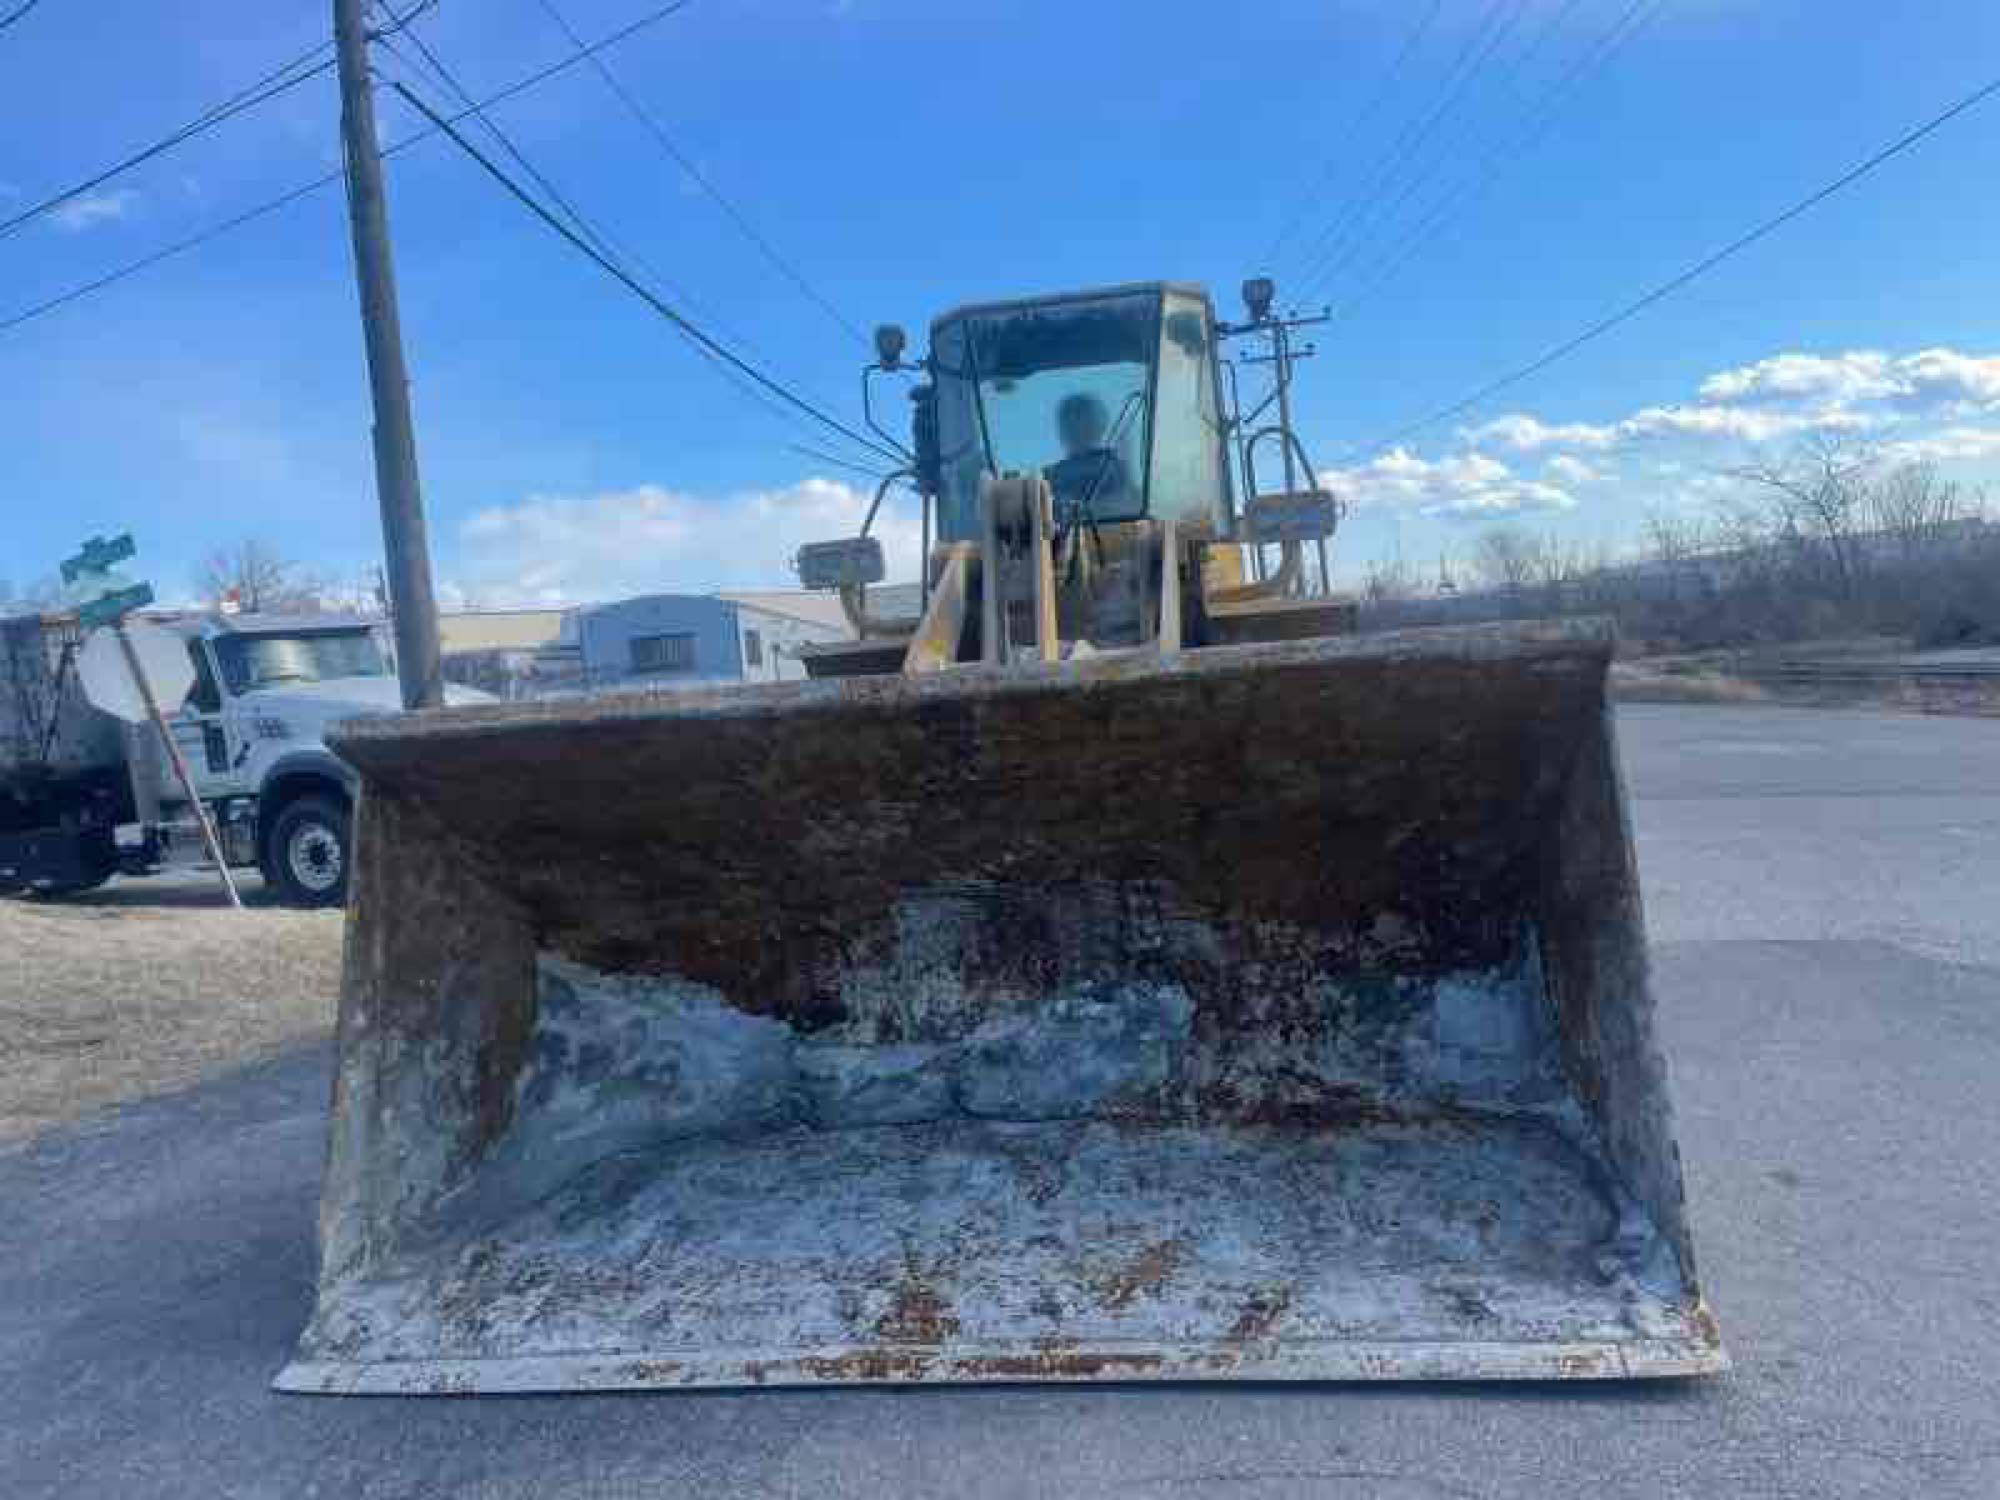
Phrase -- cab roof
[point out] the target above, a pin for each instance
(1056, 299)
(214, 626)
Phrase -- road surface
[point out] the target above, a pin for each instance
(1821, 890)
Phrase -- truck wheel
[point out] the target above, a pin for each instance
(308, 852)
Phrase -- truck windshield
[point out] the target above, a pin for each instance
(255, 661)
(1063, 389)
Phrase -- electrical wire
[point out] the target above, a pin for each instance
(630, 263)
(651, 122)
(519, 86)
(1402, 145)
(843, 463)
(264, 90)
(1591, 61)
(146, 262)
(687, 329)
(1700, 268)
(1329, 168)
(1368, 210)
(1448, 155)
(12, 16)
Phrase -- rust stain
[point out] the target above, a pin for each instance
(1571, 1366)
(869, 1364)
(1054, 1364)
(917, 1314)
(1260, 1312)
(653, 1371)
(1145, 1276)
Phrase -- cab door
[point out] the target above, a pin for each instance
(202, 731)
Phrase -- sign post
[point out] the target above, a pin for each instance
(113, 691)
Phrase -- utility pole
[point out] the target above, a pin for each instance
(412, 602)
(1258, 293)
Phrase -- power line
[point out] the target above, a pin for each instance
(519, 86)
(622, 256)
(1591, 61)
(750, 231)
(842, 463)
(1370, 211)
(1361, 121)
(1701, 267)
(1449, 153)
(1397, 150)
(265, 89)
(492, 127)
(12, 17)
(146, 262)
(610, 267)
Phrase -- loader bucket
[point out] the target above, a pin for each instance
(1267, 1012)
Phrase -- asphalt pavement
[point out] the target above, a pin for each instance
(1821, 890)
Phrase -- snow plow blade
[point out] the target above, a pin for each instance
(1271, 1012)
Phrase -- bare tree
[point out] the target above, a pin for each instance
(1505, 557)
(1818, 499)
(256, 578)
(1388, 582)
(1917, 510)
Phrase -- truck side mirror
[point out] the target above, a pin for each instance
(850, 562)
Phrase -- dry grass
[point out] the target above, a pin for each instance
(147, 986)
(1634, 682)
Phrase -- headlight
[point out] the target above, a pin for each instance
(270, 727)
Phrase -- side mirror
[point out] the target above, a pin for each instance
(853, 561)
(1299, 516)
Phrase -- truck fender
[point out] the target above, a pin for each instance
(297, 772)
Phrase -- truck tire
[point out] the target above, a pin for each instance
(308, 852)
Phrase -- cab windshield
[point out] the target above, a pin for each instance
(258, 661)
(1063, 389)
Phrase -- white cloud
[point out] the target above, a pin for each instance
(1570, 469)
(1527, 434)
(1737, 424)
(1947, 375)
(575, 548)
(1951, 443)
(1863, 375)
(91, 209)
(1930, 376)
(1469, 486)
(1524, 433)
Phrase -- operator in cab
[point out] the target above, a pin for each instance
(1090, 472)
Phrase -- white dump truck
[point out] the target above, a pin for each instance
(84, 797)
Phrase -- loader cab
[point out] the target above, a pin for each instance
(1110, 395)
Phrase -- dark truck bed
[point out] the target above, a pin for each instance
(64, 787)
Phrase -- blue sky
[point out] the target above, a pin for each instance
(912, 155)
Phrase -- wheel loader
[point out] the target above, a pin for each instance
(1115, 968)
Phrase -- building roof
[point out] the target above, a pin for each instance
(799, 604)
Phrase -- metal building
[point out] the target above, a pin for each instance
(678, 640)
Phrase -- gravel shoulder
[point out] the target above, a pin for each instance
(149, 985)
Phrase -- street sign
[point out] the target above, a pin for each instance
(106, 676)
(98, 555)
(109, 609)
